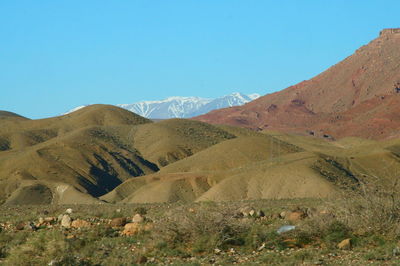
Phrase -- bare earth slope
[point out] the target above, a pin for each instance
(266, 166)
(356, 97)
(78, 157)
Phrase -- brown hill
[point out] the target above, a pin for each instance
(69, 158)
(264, 167)
(356, 97)
(83, 155)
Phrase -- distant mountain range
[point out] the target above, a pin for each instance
(184, 107)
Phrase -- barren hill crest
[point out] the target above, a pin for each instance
(359, 96)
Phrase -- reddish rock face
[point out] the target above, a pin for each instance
(359, 96)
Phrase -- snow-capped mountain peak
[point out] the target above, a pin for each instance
(184, 107)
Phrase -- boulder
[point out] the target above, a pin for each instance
(30, 226)
(131, 229)
(245, 211)
(78, 223)
(49, 220)
(295, 216)
(20, 226)
(118, 222)
(66, 221)
(137, 218)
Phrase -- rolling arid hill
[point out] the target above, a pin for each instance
(103, 153)
(266, 166)
(78, 157)
(360, 96)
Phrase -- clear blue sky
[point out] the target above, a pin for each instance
(56, 55)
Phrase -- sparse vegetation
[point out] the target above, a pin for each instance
(200, 233)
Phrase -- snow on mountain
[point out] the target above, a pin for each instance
(171, 107)
(75, 109)
(234, 99)
(183, 107)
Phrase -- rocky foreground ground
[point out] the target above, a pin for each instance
(281, 232)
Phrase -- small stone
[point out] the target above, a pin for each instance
(59, 218)
(396, 251)
(118, 222)
(118, 210)
(137, 218)
(69, 211)
(20, 226)
(217, 251)
(295, 216)
(80, 223)
(131, 229)
(345, 244)
(282, 215)
(245, 211)
(261, 247)
(275, 216)
(49, 219)
(260, 214)
(252, 212)
(66, 221)
(191, 210)
(41, 220)
(30, 226)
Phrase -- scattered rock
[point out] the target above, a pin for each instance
(245, 211)
(66, 221)
(131, 229)
(59, 218)
(217, 251)
(345, 244)
(30, 226)
(191, 210)
(275, 216)
(69, 211)
(260, 214)
(118, 222)
(49, 220)
(396, 251)
(250, 212)
(282, 215)
(20, 226)
(80, 223)
(295, 216)
(137, 218)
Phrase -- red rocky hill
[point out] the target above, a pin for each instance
(360, 96)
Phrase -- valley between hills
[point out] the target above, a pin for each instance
(307, 175)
